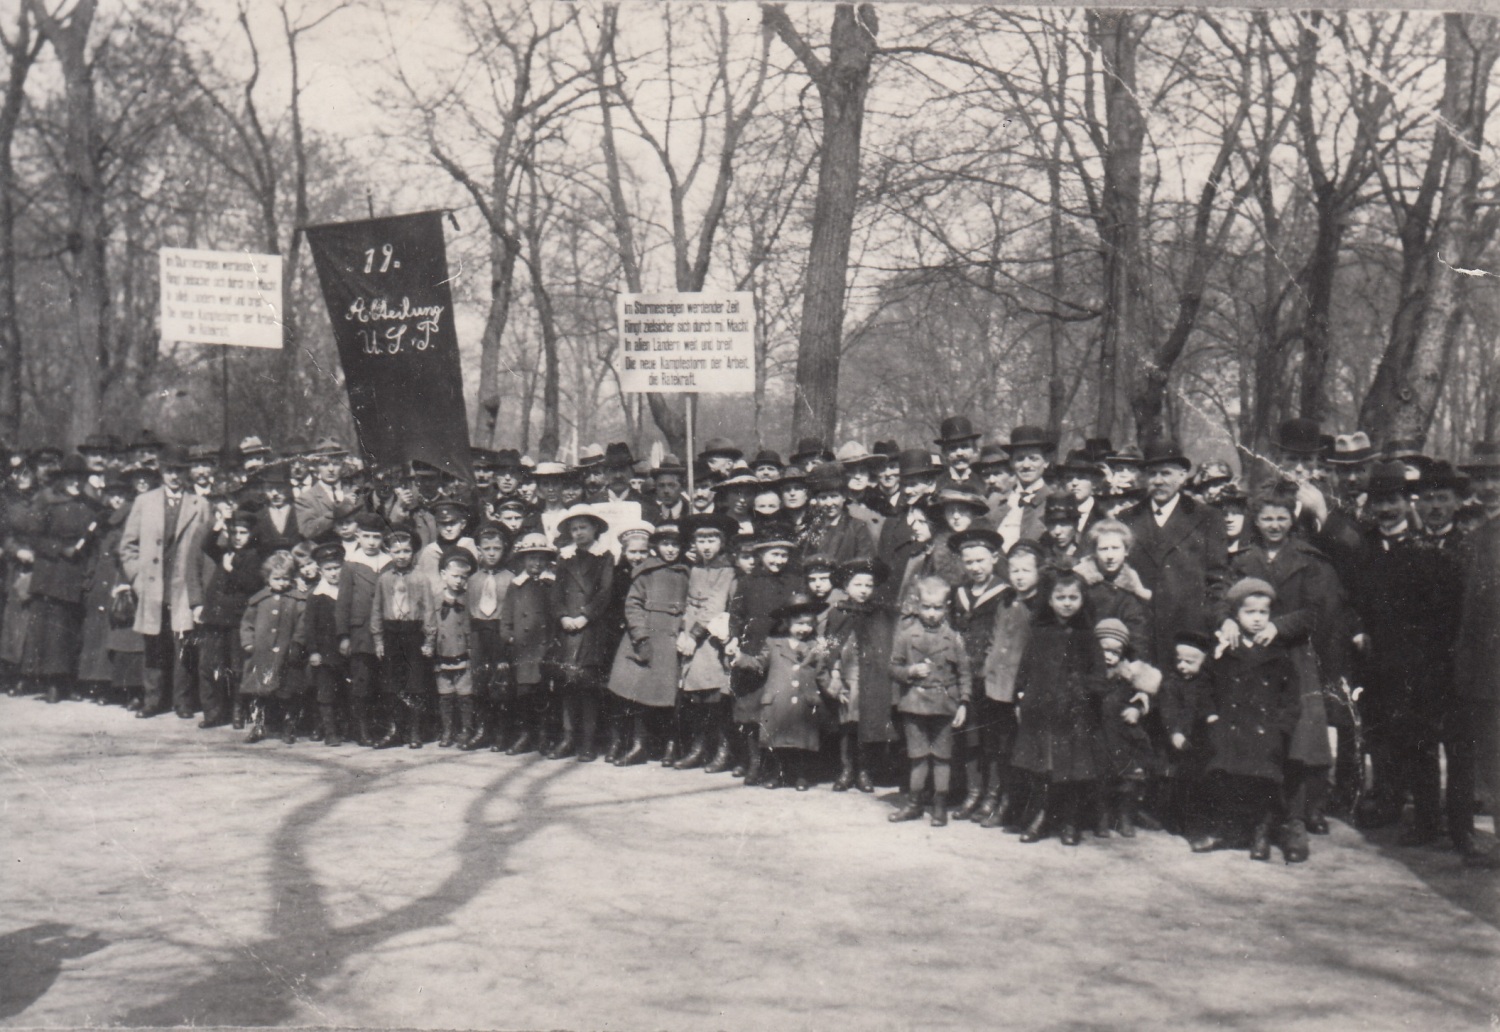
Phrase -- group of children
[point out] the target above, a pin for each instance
(703, 650)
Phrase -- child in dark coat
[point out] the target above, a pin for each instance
(1252, 703)
(931, 669)
(584, 590)
(795, 667)
(1014, 613)
(272, 633)
(862, 627)
(327, 668)
(234, 577)
(1133, 684)
(352, 611)
(1182, 720)
(972, 610)
(1058, 690)
(527, 629)
(753, 610)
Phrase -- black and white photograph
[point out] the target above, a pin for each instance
(450, 450)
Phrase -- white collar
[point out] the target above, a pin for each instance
(373, 562)
(1164, 512)
(326, 590)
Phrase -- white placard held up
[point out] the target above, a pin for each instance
(220, 297)
(683, 343)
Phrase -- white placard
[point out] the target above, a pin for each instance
(682, 343)
(220, 297)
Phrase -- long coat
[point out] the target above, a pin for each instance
(646, 666)
(866, 630)
(709, 590)
(1008, 638)
(585, 587)
(791, 699)
(143, 554)
(1184, 563)
(1058, 691)
(1306, 615)
(755, 598)
(355, 607)
(528, 626)
(273, 636)
(104, 573)
(230, 584)
(1255, 696)
(60, 573)
(1477, 651)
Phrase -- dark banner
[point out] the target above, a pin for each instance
(386, 284)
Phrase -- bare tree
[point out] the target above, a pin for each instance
(21, 48)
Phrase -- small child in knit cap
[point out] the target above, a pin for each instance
(1133, 686)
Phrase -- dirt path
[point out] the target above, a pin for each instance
(160, 875)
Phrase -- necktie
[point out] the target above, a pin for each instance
(489, 598)
(400, 599)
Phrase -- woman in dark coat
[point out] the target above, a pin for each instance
(1307, 620)
(95, 667)
(63, 550)
(647, 667)
(21, 520)
(1058, 688)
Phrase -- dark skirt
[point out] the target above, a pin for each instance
(128, 669)
(52, 638)
(13, 628)
(93, 659)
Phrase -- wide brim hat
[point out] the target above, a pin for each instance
(1165, 452)
(579, 512)
(327, 448)
(919, 462)
(991, 539)
(1389, 477)
(958, 496)
(617, 454)
(875, 567)
(551, 469)
(1299, 437)
(670, 464)
(808, 451)
(590, 455)
(956, 430)
(146, 439)
(721, 446)
(1212, 473)
(72, 466)
(534, 544)
(1129, 455)
(853, 453)
(723, 523)
(1350, 449)
(791, 476)
(252, 445)
(1483, 458)
(800, 605)
(1031, 438)
(740, 481)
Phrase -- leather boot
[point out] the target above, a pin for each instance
(445, 719)
(257, 723)
(1103, 819)
(616, 740)
(1294, 847)
(723, 757)
(1260, 841)
(1130, 801)
(987, 805)
(1036, 827)
(940, 812)
(478, 726)
(639, 743)
(330, 726)
(670, 753)
(695, 757)
(289, 715)
(996, 816)
(864, 782)
(390, 736)
(54, 691)
(911, 810)
(522, 744)
(755, 766)
(845, 781)
(239, 713)
(563, 748)
(359, 716)
(466, 734)
(966, 810)
(413, 726)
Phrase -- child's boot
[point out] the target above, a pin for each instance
(1130, 801)
(289, 714)
(753, 767)
(239, 712)
(330, 725)
(1036, 828)
(699, 742)
(468, 738)
(257, 723)
(845, 780)
(639, 746)
(940, 810)
(1103, 817)
(1260, 841)
(1294, 846)
(911, 810)
(445, 720)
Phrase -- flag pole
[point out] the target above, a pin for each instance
(688, 460)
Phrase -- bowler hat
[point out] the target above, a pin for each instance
(767, 458)
(72, 466)
(1097, 449)
(669, 464)
(918, 462)
(617, 454)
(1079, 464)
(1388, 478)
(991, 456)
(808, 451)
(1403, 448)
(721, 446)
(1299, 437)
(1441, 476)
(507, 459)
(1031, 437)
(174, 456)
(1129, 455)
(956, 430)
(890, 449)
(827, 476)
(1351, 449)
(1163, 451)
(721, 523)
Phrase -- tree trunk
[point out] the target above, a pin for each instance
(21, 50)
(1322, 266)
(1118, 37)
(1402, 401)
(551, 438)
(83, 185)
(842, 84)
(502, 279)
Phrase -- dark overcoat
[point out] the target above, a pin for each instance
(528, 626)
(1254, 694)
(584, 587)
(870, 628)
(1185, 564)
(1058, 689)
(270, 634)
(647, 667)
(755, 598)
(791, 699)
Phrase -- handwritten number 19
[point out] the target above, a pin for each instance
(386, 250)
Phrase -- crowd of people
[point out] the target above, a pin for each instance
(1087, 642)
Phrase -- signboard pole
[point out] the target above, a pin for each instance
(692, 418)
(224, 400)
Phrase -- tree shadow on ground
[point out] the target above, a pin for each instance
(1473, 889)
(32, 958)
(265, 982)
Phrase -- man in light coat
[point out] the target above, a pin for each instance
(161, 554)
